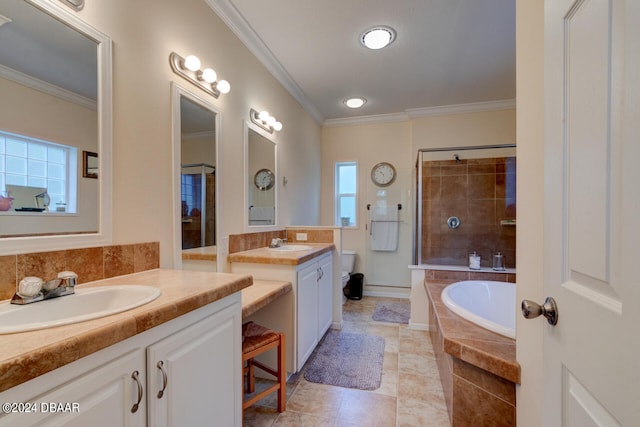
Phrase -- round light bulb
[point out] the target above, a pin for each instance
(377, 38)
(355, 102)
(223, 86)
(263, 115)
(209, 76)
(271, 121)
(277, 126)
(192, 63)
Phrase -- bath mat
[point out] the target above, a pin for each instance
(392, 312)
(347, 360)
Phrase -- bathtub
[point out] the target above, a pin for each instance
(486, 303)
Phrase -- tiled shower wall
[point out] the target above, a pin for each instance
(88, 263)
(482, 194)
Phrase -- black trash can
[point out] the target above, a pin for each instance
(353, 289)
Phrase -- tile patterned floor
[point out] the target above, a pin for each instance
(410, 394)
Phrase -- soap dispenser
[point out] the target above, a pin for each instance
(474, 261)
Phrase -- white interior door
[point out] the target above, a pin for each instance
(592, 212)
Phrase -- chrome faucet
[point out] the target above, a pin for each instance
(277, 242)
(34, 289)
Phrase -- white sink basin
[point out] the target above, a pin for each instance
(85, 304)
(291, 248)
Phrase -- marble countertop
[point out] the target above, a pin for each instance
(473, 344)
(206, 253)
(26, 355)
(266, 256)
(262, 293)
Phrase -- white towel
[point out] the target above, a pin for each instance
(261, 215)
(384, 228)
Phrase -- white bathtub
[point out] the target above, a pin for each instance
(486, 303)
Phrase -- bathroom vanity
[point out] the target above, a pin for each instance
(173, 361)
(308, 313)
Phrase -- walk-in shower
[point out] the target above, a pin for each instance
(465, 203)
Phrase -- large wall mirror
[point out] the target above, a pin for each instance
(55, 86)
(261, 178)
(195, 125)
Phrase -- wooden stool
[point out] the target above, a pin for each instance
(256, 340)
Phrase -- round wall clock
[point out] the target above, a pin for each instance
(383, 174)
(264, 179)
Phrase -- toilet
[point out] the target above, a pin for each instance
(348, 259)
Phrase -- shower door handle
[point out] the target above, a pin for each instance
(531, 310)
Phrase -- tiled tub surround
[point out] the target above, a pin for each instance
(482, 193)
(27, 355)
(89, 263)
(458, 273)
(477, 367)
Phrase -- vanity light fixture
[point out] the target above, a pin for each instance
(207, 79)
(378, 37)
(265, 120)
(355, 102)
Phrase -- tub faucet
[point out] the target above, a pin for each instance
(34, 289)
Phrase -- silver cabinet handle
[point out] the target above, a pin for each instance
(531, 310)
(160, 366)
(136, 405)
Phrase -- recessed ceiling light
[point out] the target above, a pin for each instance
(356, 102)
(378, 37)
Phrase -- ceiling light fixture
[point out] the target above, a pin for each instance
(378, 37)
(356, 102)
(206, 79)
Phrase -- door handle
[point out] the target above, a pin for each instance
(160, 366)
(136, 405)
(531, 310)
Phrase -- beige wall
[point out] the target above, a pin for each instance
(468, 129)
(369, 145)
(144, 33)
(530, 151)
(398, 143)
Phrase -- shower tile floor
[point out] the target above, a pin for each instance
(410, 394)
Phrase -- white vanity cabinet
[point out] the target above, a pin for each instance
(312, 311)
(193, 373)
(200, 353)
(325, 295)
(315, 292)
(103, 397)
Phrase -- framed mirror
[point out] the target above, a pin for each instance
(261, 177)
(90, 165)
(57, 104)
(195, 129)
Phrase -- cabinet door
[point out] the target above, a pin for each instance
(101, 398)
(307, 313)
(202, 366)
(325, 295)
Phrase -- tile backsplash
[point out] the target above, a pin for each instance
(247, 241)
(88, 263)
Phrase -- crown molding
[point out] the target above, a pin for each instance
(48, 88)
(364, 120)
(473, 107)
(198, 135)
(241, 28)
(415, 113)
